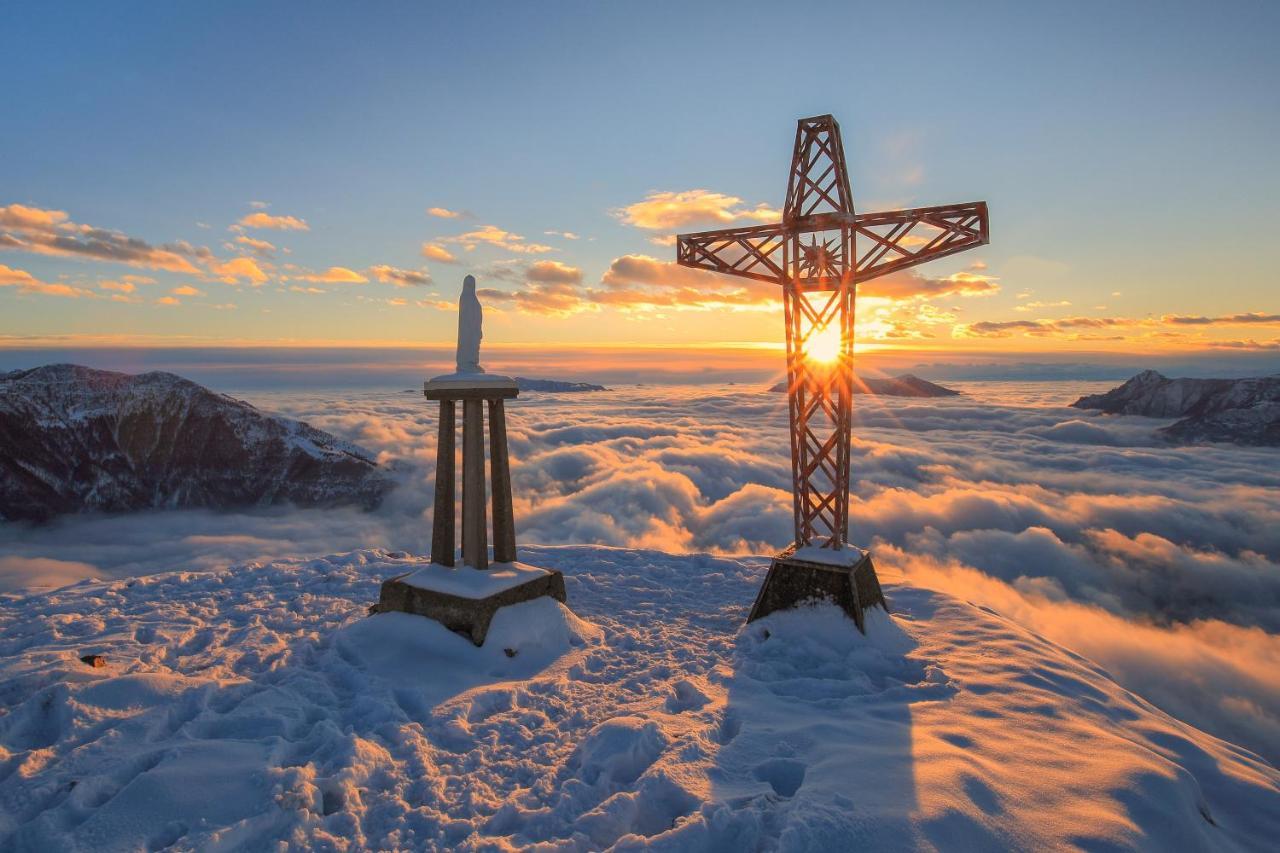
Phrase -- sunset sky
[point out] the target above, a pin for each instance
(243, 174)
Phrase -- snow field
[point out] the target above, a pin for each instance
(259, 708)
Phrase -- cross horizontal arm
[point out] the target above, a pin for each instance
(898, 239)
(754, 252)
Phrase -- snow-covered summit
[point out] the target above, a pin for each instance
(1242, 411)
(259, 708)
(76, 439)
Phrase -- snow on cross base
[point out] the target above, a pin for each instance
(258, 708)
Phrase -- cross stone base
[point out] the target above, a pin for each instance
(792, 582)
(467, 616)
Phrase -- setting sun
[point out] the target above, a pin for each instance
(824, 345)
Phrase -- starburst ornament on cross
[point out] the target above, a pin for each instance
(817, 260)
(818, 254)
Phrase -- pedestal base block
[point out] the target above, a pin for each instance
(469, 614)
(852, 585)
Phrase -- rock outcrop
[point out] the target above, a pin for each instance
(526, 384)
(74, 439)
(1241, 411)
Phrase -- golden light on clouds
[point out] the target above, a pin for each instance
(436, 252)
(669, 211)
(279, 223)
(335, 275)
(495, 236)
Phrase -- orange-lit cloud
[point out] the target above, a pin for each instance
(119, 286)
(186, 290)
(19, 217)
(398, 277)
(435, 252)
(1077, 328)
(669, 211)
(1041, 328)
(548, 299)
(335, 275)
(279, 223)
(237, 268)
(168, 300)
(908, 285)
(495, 236)
(51, 232)
(27, 283)
(1249, 318)
(260, 247)
(443, 213)
(1261, 346)
(1034, 306)
(547, 288)
(638, 282)
(553, 272)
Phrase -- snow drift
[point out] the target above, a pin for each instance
(257, 705)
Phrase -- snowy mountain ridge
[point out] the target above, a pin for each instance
(1243, 411)
(258, 707)
(75, 439)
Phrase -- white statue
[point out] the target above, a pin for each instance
(470, 318)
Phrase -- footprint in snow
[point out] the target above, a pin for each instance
(784, 775)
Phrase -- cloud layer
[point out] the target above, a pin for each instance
(1161, 563)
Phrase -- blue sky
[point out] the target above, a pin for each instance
(1123, 151)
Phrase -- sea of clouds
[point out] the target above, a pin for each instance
(1160, 563)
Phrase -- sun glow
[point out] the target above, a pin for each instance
(823, 345)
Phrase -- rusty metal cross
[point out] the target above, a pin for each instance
(818, 254)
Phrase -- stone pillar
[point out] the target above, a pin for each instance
(504, 523)
(442, 535)
(475, 539)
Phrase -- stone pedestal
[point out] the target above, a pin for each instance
(465, 598)
(845, 577)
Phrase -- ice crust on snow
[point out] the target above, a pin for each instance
(468, 582)
(258, 707)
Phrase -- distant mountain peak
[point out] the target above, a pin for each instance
(1239, 411)
(77, 439)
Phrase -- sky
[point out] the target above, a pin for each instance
(267, 175)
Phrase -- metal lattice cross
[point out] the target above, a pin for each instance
(818, 254)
